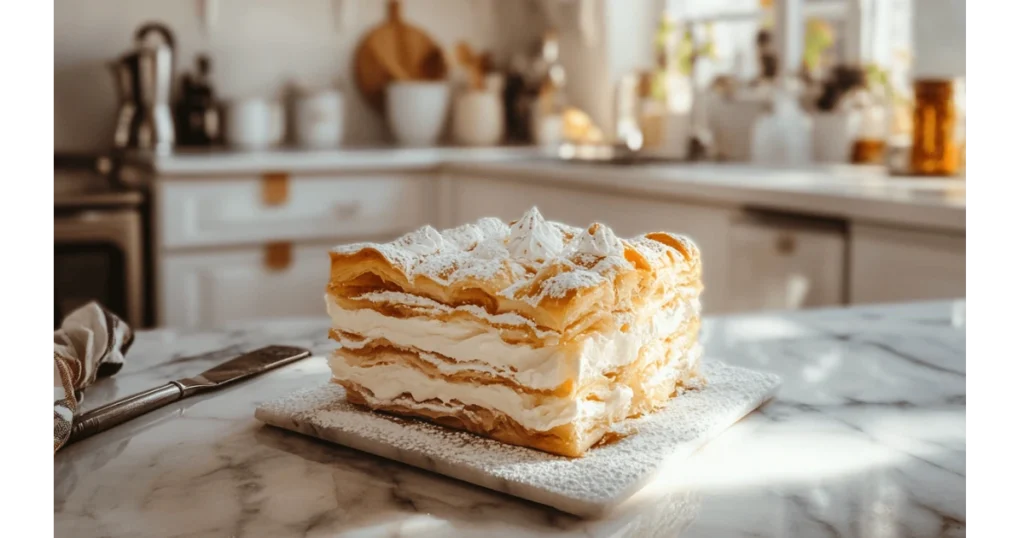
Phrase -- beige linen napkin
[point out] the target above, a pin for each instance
(90, 343)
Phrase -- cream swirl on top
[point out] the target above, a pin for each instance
(533, 240)
(424, 241)
(599, 240)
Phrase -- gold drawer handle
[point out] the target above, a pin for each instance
(275, 189)
(785, 244)
(277, 256)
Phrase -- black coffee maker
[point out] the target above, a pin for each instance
(197, 115)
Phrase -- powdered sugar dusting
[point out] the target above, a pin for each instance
(561, 284)
(516, 255)
(649, 248)
(585, 486)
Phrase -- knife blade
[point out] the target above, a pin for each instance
(242, 367)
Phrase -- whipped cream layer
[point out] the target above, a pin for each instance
(609, 404)
(535, 412)
(478, 346)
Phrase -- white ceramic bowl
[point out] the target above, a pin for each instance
(254, 123)
(417, 111)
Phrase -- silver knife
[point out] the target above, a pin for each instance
(239, 368)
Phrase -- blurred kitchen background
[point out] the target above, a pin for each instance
(208, 153)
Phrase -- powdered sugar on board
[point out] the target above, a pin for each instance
(586, 486)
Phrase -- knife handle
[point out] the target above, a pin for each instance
(110, 415)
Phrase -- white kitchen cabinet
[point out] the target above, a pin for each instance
(627, 215)
(780, 263)
(893, 265)
(249, 247)
(209, 289)
(202, 212)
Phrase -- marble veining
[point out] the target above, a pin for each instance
(866, 438)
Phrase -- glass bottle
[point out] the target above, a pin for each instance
(627, 112)
(549, 104)
(900, 107)
(650, 110)
(869, 141)
(935, 149)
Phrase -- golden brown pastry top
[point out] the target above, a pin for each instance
(547, 271)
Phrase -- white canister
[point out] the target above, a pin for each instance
(319, 119)
(254, 123)
(478, 118)
(417, 111)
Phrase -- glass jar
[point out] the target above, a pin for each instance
(935, 148)
(865, 103)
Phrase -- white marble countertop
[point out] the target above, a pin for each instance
(839, 191)
(866, 438)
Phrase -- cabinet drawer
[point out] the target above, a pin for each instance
(785, 265)
(627, 215)
(235, 211)
(209, 289)
(891, 265)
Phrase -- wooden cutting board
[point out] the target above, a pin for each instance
(395, 50)
(587, 486)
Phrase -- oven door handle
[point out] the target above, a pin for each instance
(91, 216)
(113, 226)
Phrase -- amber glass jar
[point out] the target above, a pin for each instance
(935, 149)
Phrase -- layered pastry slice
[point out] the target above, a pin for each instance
(533, 333)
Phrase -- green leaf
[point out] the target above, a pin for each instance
(818, 39)
(658, 89)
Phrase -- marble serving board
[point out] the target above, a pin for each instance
(587, 486)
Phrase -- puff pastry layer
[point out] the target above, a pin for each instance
(533, 333)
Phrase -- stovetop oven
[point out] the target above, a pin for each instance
(98, 242)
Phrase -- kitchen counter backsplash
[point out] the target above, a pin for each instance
(256, 49)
